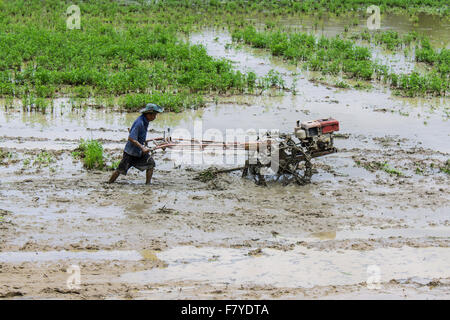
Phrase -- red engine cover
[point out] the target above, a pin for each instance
(329, 125)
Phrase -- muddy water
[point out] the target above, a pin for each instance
(197, 236)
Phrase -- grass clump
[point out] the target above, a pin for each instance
(392, 171)
(439, 59)
(390, 39)
(207, 175)
(416, 84)
(43, 159)
(91, 153)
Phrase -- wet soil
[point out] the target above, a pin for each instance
(347, 208)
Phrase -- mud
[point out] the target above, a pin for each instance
(227, 237)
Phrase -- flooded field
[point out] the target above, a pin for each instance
(354, 232)
(437, 29)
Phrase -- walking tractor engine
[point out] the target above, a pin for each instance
(317, 135)
(310, 139)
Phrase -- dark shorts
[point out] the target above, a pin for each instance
(141, 163)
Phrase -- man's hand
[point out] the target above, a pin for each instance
(144, 149)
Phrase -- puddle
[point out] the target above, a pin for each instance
(19, 257)
(300, 267)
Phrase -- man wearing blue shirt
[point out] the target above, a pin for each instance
(136, 154)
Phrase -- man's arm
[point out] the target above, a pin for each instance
(133, 136)
(140, 146)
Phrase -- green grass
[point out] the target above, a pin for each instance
(91, 153)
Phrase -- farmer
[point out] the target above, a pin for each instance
(136, 154)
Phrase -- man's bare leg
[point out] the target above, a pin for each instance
(114, 176)
(148, 174)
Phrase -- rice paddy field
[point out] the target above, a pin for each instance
(73, 79)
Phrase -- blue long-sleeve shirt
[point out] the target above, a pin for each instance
(138, 132)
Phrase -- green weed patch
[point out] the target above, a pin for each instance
(375, 166)
(91, 153)
(43, 159)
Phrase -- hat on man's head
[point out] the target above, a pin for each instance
(152, 108)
